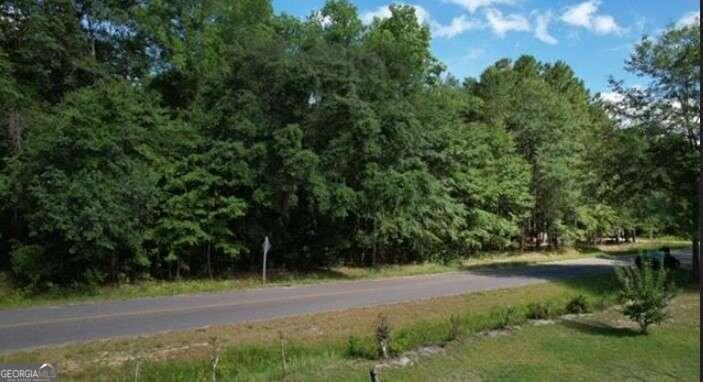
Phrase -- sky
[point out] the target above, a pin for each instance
(594, 37)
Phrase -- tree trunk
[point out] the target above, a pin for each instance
(555, 240)
(375, 239)
(15, 128)
(696, 260)
(113, 267)
(208, 250)
(285, 206)
(522, 240)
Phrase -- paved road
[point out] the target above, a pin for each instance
(54, 325)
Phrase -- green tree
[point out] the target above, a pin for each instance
(201, 209)
(665, 115)
(403, 45)
(148, 137)
(88, 177)
(340, 21)
(525, 98)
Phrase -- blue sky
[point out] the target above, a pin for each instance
(593, 36)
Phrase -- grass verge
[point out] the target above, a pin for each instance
(329, 346)
(11, 297)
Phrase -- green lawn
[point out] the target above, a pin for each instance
(593, 349)
(11, 297)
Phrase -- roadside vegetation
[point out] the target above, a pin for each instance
(447, 338)
(14, 297)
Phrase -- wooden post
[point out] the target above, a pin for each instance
(136, 370)
(283, 354)
(214, 356)
(373, 373)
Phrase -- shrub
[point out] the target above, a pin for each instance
(578, 305)
(32, 267)
(507, 317)
(356, 349)
(454, 327)
(641, 260)
(542, 310)
(383, 336)
(645, 293)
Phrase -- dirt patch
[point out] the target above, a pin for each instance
(542, 322)
(410, 357)
(496, 333)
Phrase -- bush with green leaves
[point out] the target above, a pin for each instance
(358, 348)
(90, 178)
(34, 266)
(645, 294)
(543, 310)
(578, 305)
(507, 317)
(454, 327)
(383, 336)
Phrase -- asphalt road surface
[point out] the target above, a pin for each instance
(54, 325)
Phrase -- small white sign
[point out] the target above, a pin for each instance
(266, 246)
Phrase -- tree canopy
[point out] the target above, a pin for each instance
(167, 138)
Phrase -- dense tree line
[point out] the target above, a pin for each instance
(167, 138)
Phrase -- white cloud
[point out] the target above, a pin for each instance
(379, 13)
(384, 12)
(585, 15)
(503, 24)
(458, 25)
(422, 15)
(690, 18)
(324, 21)
(611, 97)
(473, 5)
(605, 24)
(542, 28)
(581, 14)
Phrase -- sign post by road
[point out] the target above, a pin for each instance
(266, 246)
